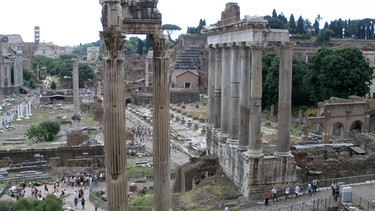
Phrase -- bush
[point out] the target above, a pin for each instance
(45, 131)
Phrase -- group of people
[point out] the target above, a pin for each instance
(81, 179)
(141, 132)
(80, 197)
(297, 191)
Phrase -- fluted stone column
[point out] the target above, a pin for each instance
(114, 122)
(285, 100)
(245, 88)
(218, 75)
(225, 90)
(2, 72)
(161, 126)
(9, 81)
(211, 85)
(255, 141)
(234, 94)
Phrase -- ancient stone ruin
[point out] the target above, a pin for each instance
(235, 73)
(118, 19)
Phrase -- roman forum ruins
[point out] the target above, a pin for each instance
(120, 18)
(234, 99)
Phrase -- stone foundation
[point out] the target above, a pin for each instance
(255, 175)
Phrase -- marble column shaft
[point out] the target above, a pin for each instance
(234, 94)
(9, 75)
(211, 85)
(255, 103)
(245, 88)
(218, 75)
(225, 90)
(161, 127)
(75, 87)
(114, 120)
(285, 100)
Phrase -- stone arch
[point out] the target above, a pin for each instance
(129, 100)
(317, 127)
(337, 130)
(356, 127)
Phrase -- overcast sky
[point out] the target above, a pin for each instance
(71, 22)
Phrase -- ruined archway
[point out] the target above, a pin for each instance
(337, 131)
(355, 128)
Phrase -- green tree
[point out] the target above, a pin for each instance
(316, 27)
(53, 85)
(292, 25)
(301, 26)
(340, 73)
(324, 35)
(170, 28)
(140, 46)
(85, 73)
(274, 23)
(45, 131)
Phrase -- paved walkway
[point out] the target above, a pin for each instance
(305, 202)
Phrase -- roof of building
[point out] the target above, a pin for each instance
(177, 73)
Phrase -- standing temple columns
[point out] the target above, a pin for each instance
(234, 94)
(255, 104)
(225, 90)
(161, 126)
(218, 75)
(285, 99)
(245, 88)
(211, 85)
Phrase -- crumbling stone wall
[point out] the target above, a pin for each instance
(65, 153)
(195, 170)
(231, 14)
(337, 161)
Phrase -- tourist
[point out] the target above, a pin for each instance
(274, 194)
(333, 188)
(83, 203)
(296, 190)
(287, 193)
(226, 209)
(266, 198)
(76, 201)
(314, 184)
(45, 188)
(309, 189)
(337, 191)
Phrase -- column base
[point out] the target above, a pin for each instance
(242, 148)
(232, 141)
(283, 154)
(254, 153)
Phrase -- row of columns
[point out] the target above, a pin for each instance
(6, 65)
(235, 96)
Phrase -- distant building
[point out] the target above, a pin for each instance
(92, 53)
(49, 50)
(187, 79)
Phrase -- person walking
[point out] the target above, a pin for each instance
(314, 184)
(266, 198)
(274, 194)
(287, 190)
(309, 189)
(83, 203)
(76, 201)
(296, 190)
